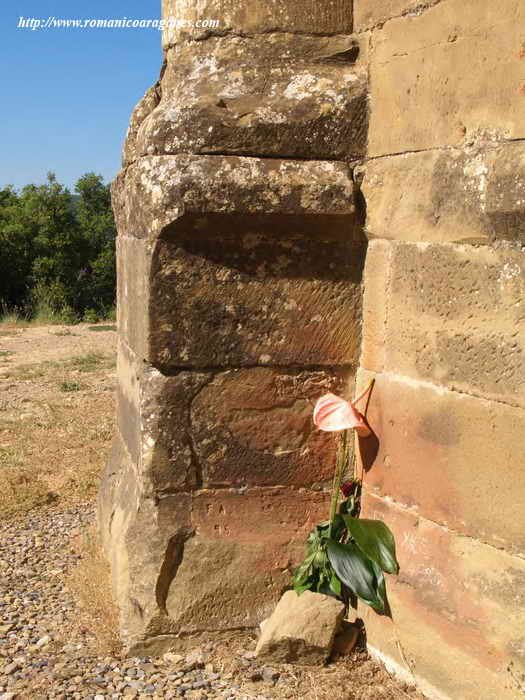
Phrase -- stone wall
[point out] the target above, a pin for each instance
(242, 237)
(240, 259)
(444, 335)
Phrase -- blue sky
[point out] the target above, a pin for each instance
(67, 94)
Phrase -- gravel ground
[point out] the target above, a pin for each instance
(57, 625)
(39, 654)
(46, 653)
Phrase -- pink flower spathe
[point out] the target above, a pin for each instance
(332, 413)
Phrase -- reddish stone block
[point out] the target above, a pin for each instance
(457, 610)
(452, 458)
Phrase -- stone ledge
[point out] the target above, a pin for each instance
(296, 97)
(257, 16)
(157, 192)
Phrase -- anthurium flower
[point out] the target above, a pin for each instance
(347, 488)
(332, 413)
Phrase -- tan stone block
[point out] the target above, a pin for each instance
(278, 517)
(160, 195)
(455, 318)
(153, 413)
(254, 427)
(450, 457)
(284, 286)
(475, 195)
(301, 629)
(275, 95)
(246, 544)
(447, 76)
(143, 536)
(431, 196)
(255, 300)
(458, 611)
(370, 13)
(375, 302)
(133, 274)
(255, 16)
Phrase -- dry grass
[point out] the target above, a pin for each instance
(56, 423)
(90, 582)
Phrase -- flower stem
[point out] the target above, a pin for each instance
(364, 392)
(340, 465)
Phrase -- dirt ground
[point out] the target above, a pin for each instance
(57, 386)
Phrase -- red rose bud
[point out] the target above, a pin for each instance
(347, 488)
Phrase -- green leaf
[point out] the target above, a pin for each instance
(356, 571)
(335, 585)
(381, 585)
(375, 540)
(306, 586)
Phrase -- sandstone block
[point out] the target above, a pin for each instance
(370, 13)
(281, 517)
(255, 16)
(143, 537)
(281, 289)
(430, 78)
(458, 611)
(260, 531)
(301, 629)
(475, 195)
(153, 419)
(296, 97)
(375, 302)
(254, 427)
(450, 457)
(455, 317)
(163, 195)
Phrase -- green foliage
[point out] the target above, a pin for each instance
(68, 386)
(57, 256)
(348, 556)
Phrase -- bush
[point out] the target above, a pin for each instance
(90, 316)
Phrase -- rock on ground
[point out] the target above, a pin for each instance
(301, 629)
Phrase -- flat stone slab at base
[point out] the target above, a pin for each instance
(301, 629)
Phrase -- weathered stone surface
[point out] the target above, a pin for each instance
(454, 316)
(282, 288)
(430, 76)
(147, 104)
(458, 609)
(278, 516)
(297, 97)
(256, 300)
(254, 427)
(154, 420)
(133, 274)
(375, 301)
(505, 201)
(143, 537)
(301, 629)
(254, 16)
(450, 457)
(260, 531)
(370, 13)
(168, 552)
(161, 195)
(474, 195)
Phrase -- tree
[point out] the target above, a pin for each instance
(97, 227)
(57, 252)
